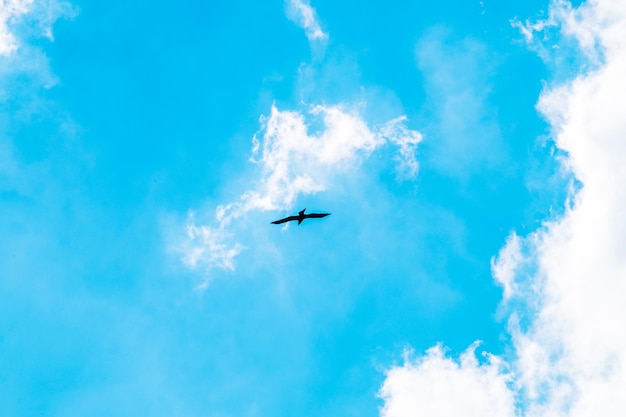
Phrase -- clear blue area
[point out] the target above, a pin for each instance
(153, 115)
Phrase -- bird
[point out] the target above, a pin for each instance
(301, 216)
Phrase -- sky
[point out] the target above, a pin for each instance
(470, 152)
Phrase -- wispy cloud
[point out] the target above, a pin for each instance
(563, 284)
(24, 70)
(37, 15)
(21, 62)
(10, 10)
(548, 37)
(301, 13)
(464, 135)
(294, 160)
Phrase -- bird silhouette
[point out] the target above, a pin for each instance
(301, 216)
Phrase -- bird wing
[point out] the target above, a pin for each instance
(286, 219)
(316, 215)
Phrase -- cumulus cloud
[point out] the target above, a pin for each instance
(564, 284)
(578, 336)
(438, 386)
(301, 13)
(295, 159)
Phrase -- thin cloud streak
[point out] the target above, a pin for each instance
(301, 13)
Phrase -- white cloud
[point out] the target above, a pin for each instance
(582, 24)
(218, 254)
(38, 15)
(579, 335)
(21, 62)
(10, 10)
(295, 160)
(438, 386)
(208, 246)
(565, 284)
(506, 268)
(397, 132)
(24, 70)
(301, 13)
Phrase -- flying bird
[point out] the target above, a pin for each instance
(301, 216)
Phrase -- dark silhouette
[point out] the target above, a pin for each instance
(301, 216)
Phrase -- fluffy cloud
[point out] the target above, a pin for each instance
(574, 354)
(293, 160)
(437, 386)
(302, 14)
(564, 285)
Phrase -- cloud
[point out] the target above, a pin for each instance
(294, 160)
(438, 386)
(35, 17)
(464, 136)
(301, 13)
(23, 66)
(567, 38)
(574, 354)
(218, 254)
(9, 12)
(299, 153)
(24, 70)
(563, 284)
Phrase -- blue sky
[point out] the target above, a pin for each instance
(144, 150)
